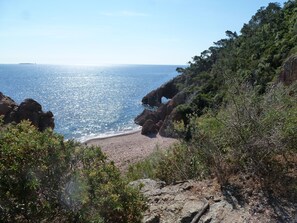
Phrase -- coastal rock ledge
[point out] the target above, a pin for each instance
(29, 109)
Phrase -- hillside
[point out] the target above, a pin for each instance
(234, 110)
(255, 57)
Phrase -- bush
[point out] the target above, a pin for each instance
(45, 179)
(145, 168)
(178, 163)
(251, 134)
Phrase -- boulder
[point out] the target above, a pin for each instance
(6, 104)
(46, 120)
(149, 128)
(159, 124)
(29, 109)
(145, 115)
(166, 128)
(151, 121)
(190, 209)
(205, 202)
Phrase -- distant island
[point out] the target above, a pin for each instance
(27, 63)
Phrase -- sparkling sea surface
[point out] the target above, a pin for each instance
(87, 101)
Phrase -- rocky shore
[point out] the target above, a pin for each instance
(160, 119)
(29, 109)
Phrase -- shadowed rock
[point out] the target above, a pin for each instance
(205, 202)
(29, 109)
(146, 115)
(149, 128)
(162, 118)
(6, 104)
(154, 98)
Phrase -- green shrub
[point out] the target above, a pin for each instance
(45, 179)
(145, 168)
(177, 163)
(180, 163)
(250, 134)
(107, 194)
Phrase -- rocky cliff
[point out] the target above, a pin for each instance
(29, 109)
(159, 118)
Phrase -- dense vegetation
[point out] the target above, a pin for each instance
(255, 57)
(45, 179)
(237, 119)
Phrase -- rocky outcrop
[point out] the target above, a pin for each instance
(289, 71)
(161, 119)
(168, 90)
(149, 128)
(162, 115)
(29, 109)
(146, 115)
(6, 105)
(206, 202)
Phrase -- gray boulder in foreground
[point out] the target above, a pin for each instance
(205, 202)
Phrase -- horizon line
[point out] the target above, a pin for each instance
(94, 65)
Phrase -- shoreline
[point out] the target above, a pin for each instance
(107, 136)
(131, 147)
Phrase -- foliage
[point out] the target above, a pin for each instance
(236, 119)
(251, 134)
(254, 56)
(180, 163)
(45, 179)
(177, 163)
(108, 195)
(145, 168)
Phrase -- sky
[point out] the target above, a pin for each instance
(96, 32)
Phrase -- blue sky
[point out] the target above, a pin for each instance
(94, 32)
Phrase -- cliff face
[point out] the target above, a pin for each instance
(29, 109)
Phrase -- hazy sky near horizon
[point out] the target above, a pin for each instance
(94, 32)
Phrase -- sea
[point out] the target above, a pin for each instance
(87, 101)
